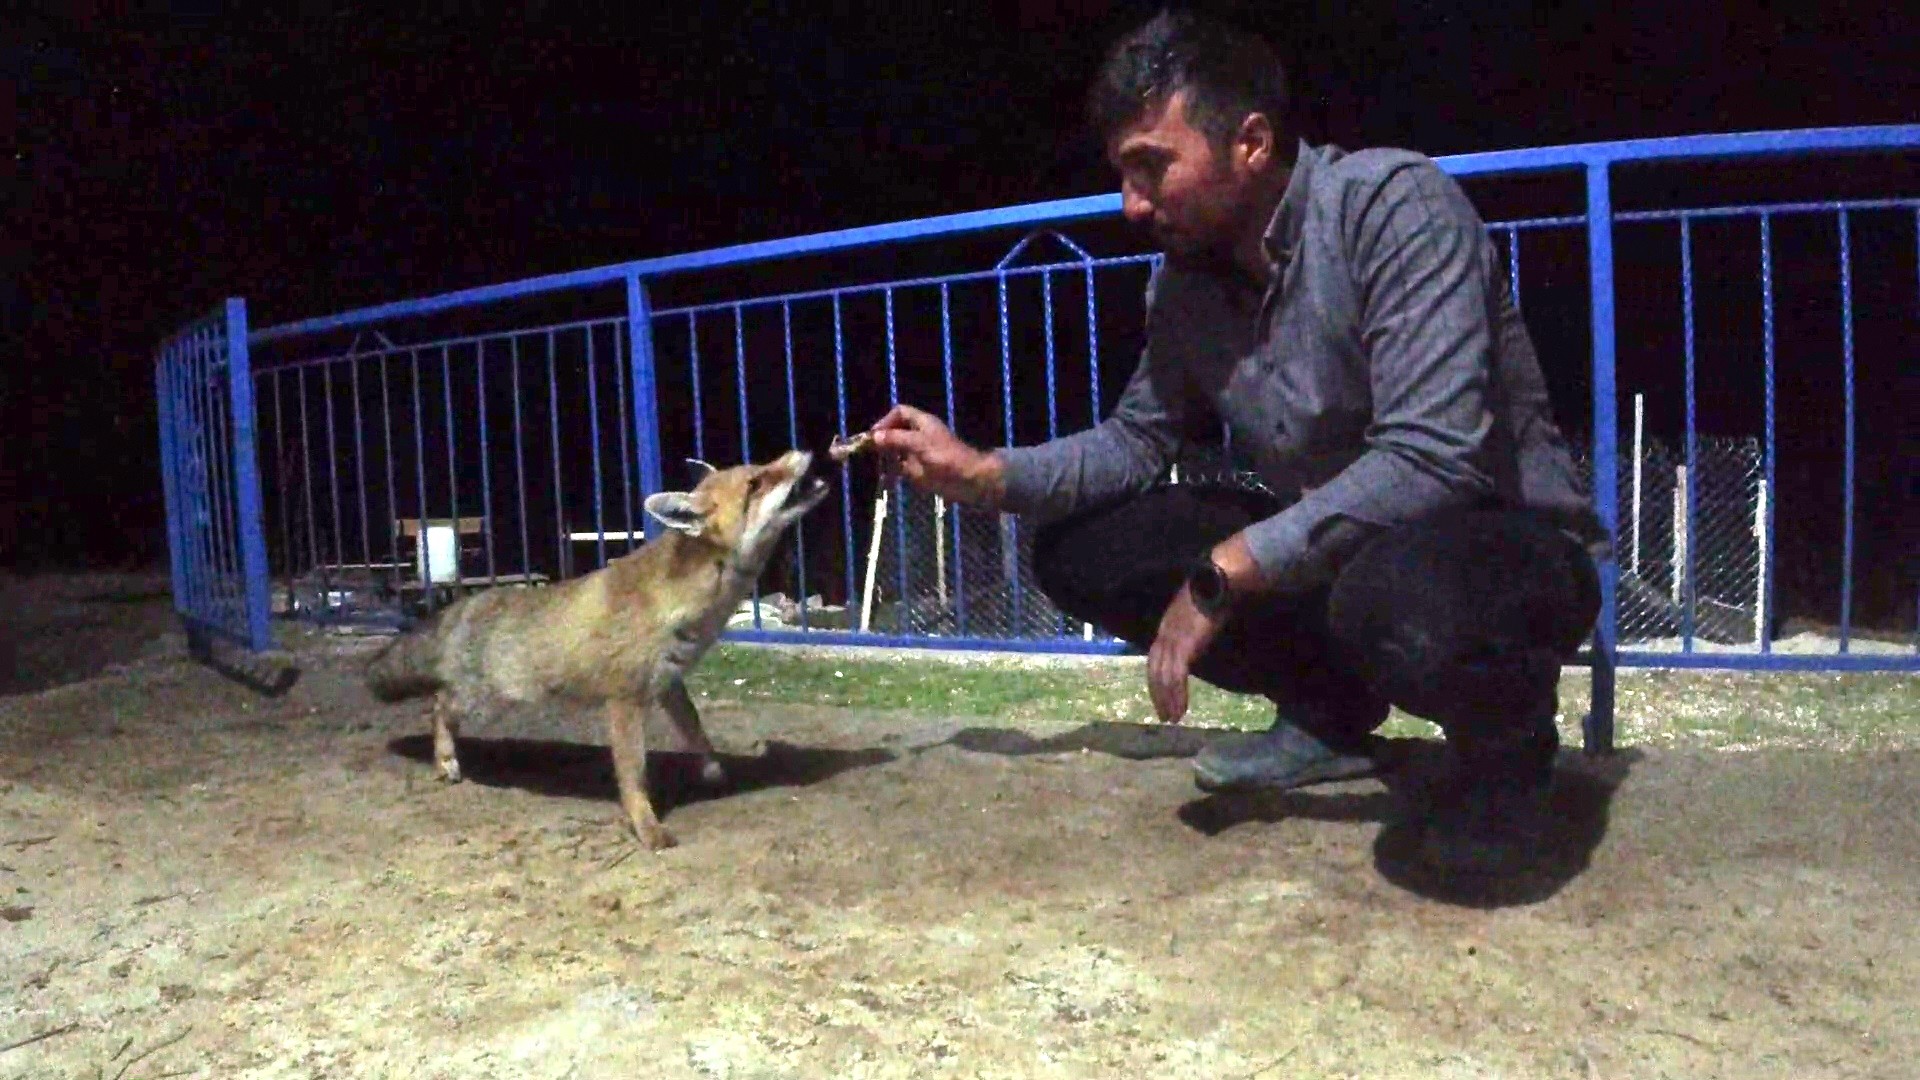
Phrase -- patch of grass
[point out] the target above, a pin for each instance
(974, 687)
(1721, 710)
(1113, 691)
(1748, 710)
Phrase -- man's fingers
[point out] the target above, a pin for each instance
(892, 442)
(902, 417)
(908, 438)
(1167, 680)
(1157, 668)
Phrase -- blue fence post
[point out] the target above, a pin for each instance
(1598, 732)
(646, 404)
(246, 479)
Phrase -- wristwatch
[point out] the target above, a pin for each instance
(1208, 585)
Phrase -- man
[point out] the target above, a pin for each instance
(1418, 536)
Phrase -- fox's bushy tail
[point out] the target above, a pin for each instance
(405, 668)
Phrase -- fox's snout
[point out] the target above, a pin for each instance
(812, 466)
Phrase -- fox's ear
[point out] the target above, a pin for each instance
(675, 510)
(703, 469)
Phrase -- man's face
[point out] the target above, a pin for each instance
(1173, 182)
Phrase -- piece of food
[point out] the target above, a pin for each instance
(843, 448)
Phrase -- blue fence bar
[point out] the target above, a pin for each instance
(952, 578)
(645, 394)
(1687, 600)
(1846, 329)
(1606, 437)
(793, 439)
(1770, 523)
(246, 477)
(520, 464)
(486, 468)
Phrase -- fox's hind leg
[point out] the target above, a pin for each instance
(446, 730)
(686, 720)
(626, 734)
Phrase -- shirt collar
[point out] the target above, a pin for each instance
(1283, 231)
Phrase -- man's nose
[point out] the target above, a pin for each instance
(1134, 206)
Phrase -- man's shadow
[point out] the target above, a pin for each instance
(573, 770)
(1414, 775)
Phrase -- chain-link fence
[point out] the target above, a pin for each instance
(1662, 547)
(936, 569)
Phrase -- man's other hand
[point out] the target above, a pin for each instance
(1185, 632)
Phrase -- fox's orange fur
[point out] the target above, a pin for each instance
(623, 637)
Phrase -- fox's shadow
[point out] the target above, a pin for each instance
(574, 770)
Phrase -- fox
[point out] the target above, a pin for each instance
(623, 638)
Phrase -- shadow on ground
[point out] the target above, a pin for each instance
(52, 635)
(574, 770)
(1135, 742)
(1414, 775)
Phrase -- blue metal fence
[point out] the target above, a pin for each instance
(207, 467)
(524, 438)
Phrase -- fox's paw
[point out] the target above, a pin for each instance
(654, 836)
(450, 770)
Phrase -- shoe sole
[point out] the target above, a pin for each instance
(1342, 768)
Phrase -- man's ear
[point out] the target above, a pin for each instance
(675, 510)
(1257, 143)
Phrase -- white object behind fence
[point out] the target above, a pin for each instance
(439, 556)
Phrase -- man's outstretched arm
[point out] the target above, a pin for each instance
(1124, 452)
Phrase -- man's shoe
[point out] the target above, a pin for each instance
(1280, 758)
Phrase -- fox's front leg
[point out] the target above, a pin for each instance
(446, 729)
(627, 738)
(686, 721)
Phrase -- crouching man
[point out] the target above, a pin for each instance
(1416, 533)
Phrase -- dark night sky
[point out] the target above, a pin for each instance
(310, 165)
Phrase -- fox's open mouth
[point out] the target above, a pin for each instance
(809, 490)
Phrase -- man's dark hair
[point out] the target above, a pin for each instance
(1227, 73)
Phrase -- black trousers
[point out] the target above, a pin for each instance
(1463, 620)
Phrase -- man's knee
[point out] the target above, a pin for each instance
(1057, 572)
(1465, 618)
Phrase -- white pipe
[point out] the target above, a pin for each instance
(873, 558)
(1762, 618)
(1679, 533)
(940, 547)
(1639, 427)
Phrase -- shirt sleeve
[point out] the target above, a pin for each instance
(1123, 453)
(1420, 257)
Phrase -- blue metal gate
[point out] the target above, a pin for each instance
(207, 464)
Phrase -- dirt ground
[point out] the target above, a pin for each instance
(198, 880)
